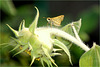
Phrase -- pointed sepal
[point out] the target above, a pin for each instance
(16, 40)
(33, 58)
(33, 26)
(47, 61)
(22, 25)
(15, 48)
(61, 45)
(54, 49)
(48, 55)
(54, 54)
(42, 62)
(23, 49)
(30, 46)
(14, 31)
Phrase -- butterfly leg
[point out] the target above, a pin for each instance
(47, 24)
(51, 24)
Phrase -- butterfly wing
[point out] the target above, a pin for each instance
(57, 20)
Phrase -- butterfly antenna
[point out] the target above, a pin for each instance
(44, 17)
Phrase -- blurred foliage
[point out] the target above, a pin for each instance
(14, 16)
(90, 19)
(8, 7)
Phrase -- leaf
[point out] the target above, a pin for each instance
(91, 58)
(61, 45)
(68, 29)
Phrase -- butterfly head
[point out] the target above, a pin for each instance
(48, 19)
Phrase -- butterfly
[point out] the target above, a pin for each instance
(56, 21)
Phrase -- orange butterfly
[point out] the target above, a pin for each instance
(55, 20)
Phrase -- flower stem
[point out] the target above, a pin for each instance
(68, 37)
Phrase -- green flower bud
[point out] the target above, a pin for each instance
(38, 43)
(35, 42)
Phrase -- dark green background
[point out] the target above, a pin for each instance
(88, 11)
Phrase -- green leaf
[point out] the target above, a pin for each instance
(33, 26)
(68, 29)
(91, 58)
(61, 45)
